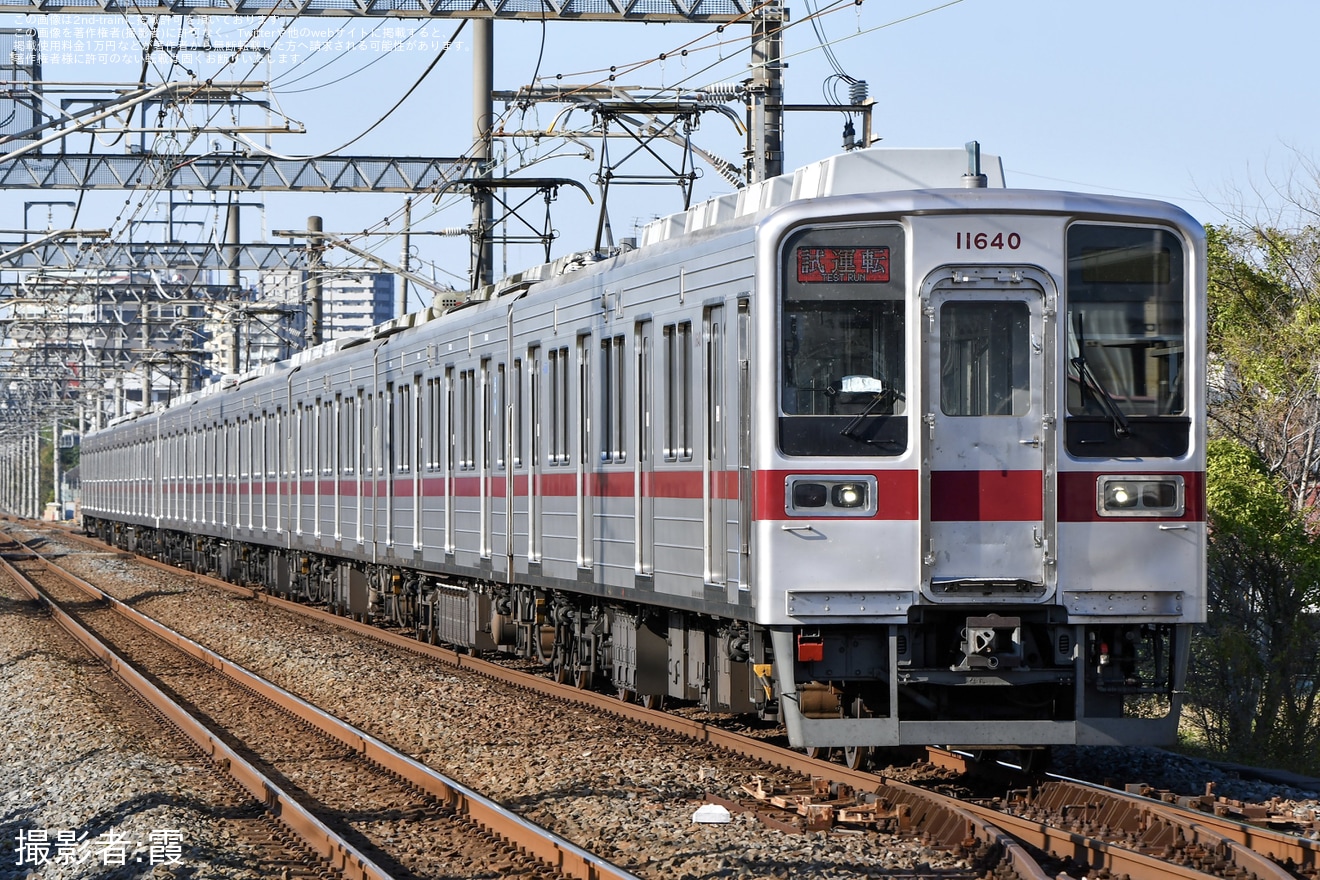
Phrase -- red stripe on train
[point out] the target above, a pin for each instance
(986, 496)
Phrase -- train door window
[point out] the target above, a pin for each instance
(404, 419)
(497, 422)
(558, 413)
(1126, 354)
(433, 423)
(714, 332)
(467, 452)
(485, 412)
(985, 358)
(613, 401)
(347, 434)
(328, 457)
(677, 339)
(516, 413)
(307, 440)
(842, 351)
(387, 428)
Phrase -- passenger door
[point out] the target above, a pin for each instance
(988, 511)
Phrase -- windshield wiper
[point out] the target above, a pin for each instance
(1107, 403)
(851, 427)
(882, 395)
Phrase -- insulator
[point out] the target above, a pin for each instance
(723, 90)
(857, 91)
(455, 230)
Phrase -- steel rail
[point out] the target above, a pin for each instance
(338, 853)
(1302, 854)
(547, 847)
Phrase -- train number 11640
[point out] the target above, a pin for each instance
(981, 241)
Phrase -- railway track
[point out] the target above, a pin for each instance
(365, 809)
(242, 831)
(1156, 840)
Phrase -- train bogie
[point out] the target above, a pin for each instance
(899, 467)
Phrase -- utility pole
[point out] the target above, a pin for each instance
(405, 256)
(765, 95)
(483, 120)
(232, 276)
(55, 469)
(314, 304)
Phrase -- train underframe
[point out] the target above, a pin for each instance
(1014, 678)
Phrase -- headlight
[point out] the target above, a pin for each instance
(848, 495)
(1140, 495)
(816, 495)
(809, 495)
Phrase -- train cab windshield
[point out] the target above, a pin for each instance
(843, 389)
(1126, 353)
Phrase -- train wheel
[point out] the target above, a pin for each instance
(653, 701)
(559, 667)
(543, 644)
(855, 756)
(626, 695)
(819, 753)
(1035, 760)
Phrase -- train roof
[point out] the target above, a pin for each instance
(879, 169)
(854, 173)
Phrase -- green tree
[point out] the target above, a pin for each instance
(1256, 663)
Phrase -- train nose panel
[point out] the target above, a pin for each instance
(987, 513)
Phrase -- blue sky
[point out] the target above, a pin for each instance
(1198, 103)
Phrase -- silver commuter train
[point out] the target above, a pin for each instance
(899, 460)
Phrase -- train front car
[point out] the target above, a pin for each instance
(980, 512)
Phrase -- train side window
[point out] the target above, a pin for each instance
(1126, 353)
